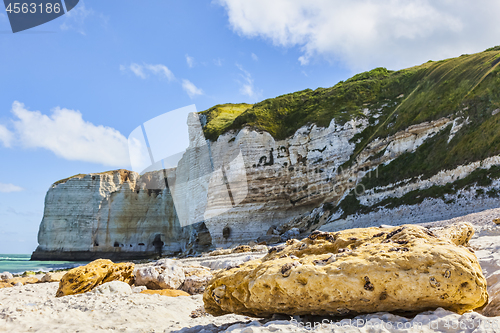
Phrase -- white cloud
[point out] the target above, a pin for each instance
(189, 61)
(142, 71)
(247, 87)
(368, 33)
(6, 136)
(161, 71)
(191, 89)
(138, 70)
(8, 188)
(67, 135)
(75, 18)
(218, 62)
(254, 57)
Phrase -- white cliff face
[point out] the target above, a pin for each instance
(110, 215)
(288, 179)
(284, 178)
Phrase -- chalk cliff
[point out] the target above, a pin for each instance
(113, 215)
(383, 147)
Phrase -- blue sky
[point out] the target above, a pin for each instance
(73, 89)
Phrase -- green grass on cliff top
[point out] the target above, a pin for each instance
(431, 90)
(220, 117)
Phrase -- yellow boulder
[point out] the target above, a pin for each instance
(24, 280)
(241, 249)
(85, 278)
(5, 285)
(365, 270)
(166, 292)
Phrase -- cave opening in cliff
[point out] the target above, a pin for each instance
(158, 244)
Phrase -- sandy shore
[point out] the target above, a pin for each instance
(34, 308)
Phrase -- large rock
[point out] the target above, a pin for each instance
(113, 288)
(406, 268)
(164, 274)
(85, 278)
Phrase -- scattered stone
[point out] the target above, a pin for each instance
(496, 221)
(197, 278)
(199, 312)
(52, 277)
(227, 263)
(23, 280)
(138, 289)
(493, 307)
(166, 292)
(242, 249)
(289, 234)
(269, 239)
(197, 270)
(196, 284)
(113, 288)
(85, 278)
(19, 284)
(5, 285)
(220, 252)
(6, 276)
(432, 270)
(259, 248)
(164, 274)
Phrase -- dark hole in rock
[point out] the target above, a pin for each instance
(226, 232)
(116, 244)
(158, 244)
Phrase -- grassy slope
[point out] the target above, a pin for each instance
(220, 117)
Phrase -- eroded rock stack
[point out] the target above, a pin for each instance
(405, 268)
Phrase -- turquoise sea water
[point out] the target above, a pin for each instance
(18, 263)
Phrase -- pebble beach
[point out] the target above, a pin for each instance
(34, 307)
